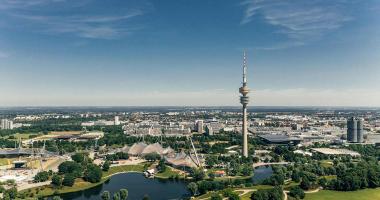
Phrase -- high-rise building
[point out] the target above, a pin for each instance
(117, 122)
(360, 131)
(199, 126)
(6, 124)
(209, 130)
(355, 130)
(244, 99)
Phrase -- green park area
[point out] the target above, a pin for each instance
(366, 194)
(80, 184)
(168, 173)
(123, 168)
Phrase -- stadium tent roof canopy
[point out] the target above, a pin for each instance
(181, 160)
(153, 148)
(137, 148)
(168, 151)
(272, 138)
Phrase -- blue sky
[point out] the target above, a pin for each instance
(180, 52)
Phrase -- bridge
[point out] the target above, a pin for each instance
(266, 164)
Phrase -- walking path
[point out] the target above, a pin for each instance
(32, 185)
(285, 194)
(313, 191)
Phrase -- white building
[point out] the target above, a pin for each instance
(117, 122)
(6, 124)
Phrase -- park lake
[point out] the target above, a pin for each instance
(156, 189)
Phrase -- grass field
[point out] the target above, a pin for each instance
(22, 136)
(247, 196)
(169, 172)
(6, 161)
(244, 197)
(367, 194)
(124, 168)
(49, 190)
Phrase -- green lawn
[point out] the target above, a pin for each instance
(124, 168)
(367, 194)
(247, 196)
(49, 190)
(244, 197)
(169, 172)
(326, 163)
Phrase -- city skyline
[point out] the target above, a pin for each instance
(178, 53)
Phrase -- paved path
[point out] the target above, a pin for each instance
(313, 191)
(285, 194)
(32, 185)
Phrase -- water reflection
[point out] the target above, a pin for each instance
(261, 173)
(137, 186)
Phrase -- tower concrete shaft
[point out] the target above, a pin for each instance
(244, 99)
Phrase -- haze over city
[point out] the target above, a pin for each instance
(189, 53)
(189, 100)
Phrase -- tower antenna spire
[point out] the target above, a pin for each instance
(244, 68)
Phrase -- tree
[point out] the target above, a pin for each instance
(106, 195)
(161, 167)
(275, 179)
(70, 167)
(275, 193)
(323, 182)
(373, 178)
(152, 157)
(193, 187)
(146, 197)
(230, 194)
(93, 173)
(197, 174)
(296, 176)
(260, 195)
(106, 166)
(12, 193)
(211, 160)
(116, 196)
(57, 198)
(215, 196)
(234, 196)
(305, 184)
(123, 194)
(56, 180)
(68, 180)
(297, 192)
(79, 157)
(41, 177)
(247, 170)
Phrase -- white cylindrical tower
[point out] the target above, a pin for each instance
(244, 99)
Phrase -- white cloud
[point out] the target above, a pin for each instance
(301, 21)
(104, 25)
